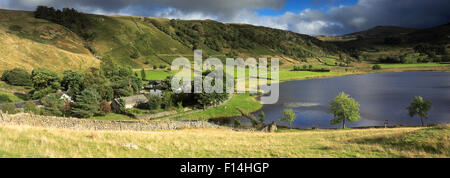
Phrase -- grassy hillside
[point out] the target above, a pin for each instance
(390, 41)
(141, 41)
(29, 43)
(397, 142)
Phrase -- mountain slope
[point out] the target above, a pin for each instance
(388, 41)
(145, 41)
(29, 43)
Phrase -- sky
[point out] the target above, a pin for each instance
(312, 17)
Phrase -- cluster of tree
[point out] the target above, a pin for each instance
(430, 50)
(344, 108)
(393, 40)
(310, 68)
(407, 59)
(67, 17)
(86, 90)
(218, 37)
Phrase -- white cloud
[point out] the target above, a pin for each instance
(337, 20)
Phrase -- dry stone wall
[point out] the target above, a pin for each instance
(86, 124)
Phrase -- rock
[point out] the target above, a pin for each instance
(130, 146)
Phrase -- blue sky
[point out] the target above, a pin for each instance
(312, 17)
(297, 6)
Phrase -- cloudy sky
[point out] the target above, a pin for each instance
(313, 17)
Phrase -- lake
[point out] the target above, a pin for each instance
(382, 96)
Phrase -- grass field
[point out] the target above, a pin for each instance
(4, 85)
(155, 74)
(301, 75)
(12, 97)
(26, 141)
(245, 102)
(413, 65)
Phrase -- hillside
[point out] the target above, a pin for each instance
(38, 142)
(131, 40)
(388, 41)
(141, 41)
(29, 43)
(378, 32)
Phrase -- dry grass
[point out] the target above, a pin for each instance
(39, 43)
(22, 141)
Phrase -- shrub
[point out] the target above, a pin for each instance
(105, 107)
(162, 66)
(155, 67)
(17, 76)
(9, 108)
(4, 98)
(31, 108)
(376, 67)
(42, 93)
(237, 123)
(147, 62)
(53, 105)
(154, 102)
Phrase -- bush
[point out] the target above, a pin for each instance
(42, 93)
(31, 108)
(105, 107)
(53, 105)
(147, 62)
(4, 98)
(162, 66)
(44, 78)
(155, 67)
(154, 102)
(17, 77)
(9, 108)
(376, 67)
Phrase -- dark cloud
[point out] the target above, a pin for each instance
(337, 20)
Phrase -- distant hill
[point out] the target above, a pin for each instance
(387, 41)
(61, 44)
(378, 32)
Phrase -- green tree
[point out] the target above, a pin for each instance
(419, 107)
(44, 78)
(72, 82)
(53, 105)
(143, 74)
(344, 108)
(288, 116)
(87, 104)
(17, 77)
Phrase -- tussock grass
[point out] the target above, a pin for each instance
(23, 141)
